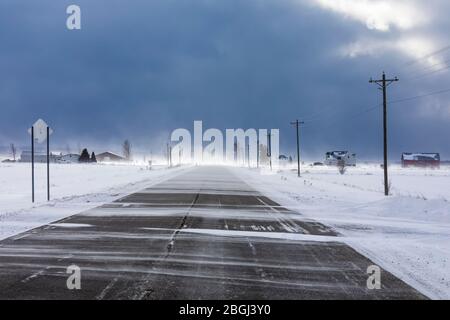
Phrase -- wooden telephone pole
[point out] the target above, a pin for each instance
(297, 123)
(383, 83)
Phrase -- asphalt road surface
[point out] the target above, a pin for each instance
(204, 234)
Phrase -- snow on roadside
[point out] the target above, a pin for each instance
(74, 188)
(407, 234)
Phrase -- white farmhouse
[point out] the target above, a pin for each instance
(333, 158)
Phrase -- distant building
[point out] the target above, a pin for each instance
(421, 160)
(333, 158)
(109, 157)
(39, 157)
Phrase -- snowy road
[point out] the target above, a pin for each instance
(205, 234)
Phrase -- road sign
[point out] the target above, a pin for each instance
(40, 131)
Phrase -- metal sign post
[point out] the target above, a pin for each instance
(32, 164)
(269, 148)
(48, 163)
(40, 132)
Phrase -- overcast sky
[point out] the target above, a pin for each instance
(139, 69)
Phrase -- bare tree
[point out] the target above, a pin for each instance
(13, 150)
(126, 147)
(341, 166)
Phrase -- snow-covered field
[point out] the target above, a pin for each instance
(408, 233)
(74, 188)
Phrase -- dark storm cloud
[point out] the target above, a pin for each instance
(139, 69)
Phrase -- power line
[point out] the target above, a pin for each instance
(429, 55)
(436, 65)
(313, 116)
(354, 115)
(421, 96)
(367, 110)
(319, 113)
(324, 109)
(429, 73)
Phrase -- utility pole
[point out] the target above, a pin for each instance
(269, 148)
(297, 124)
(383, 84)
(168, 154)
(248, 154)
(257, 152)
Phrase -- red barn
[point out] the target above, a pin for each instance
(421, 160)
